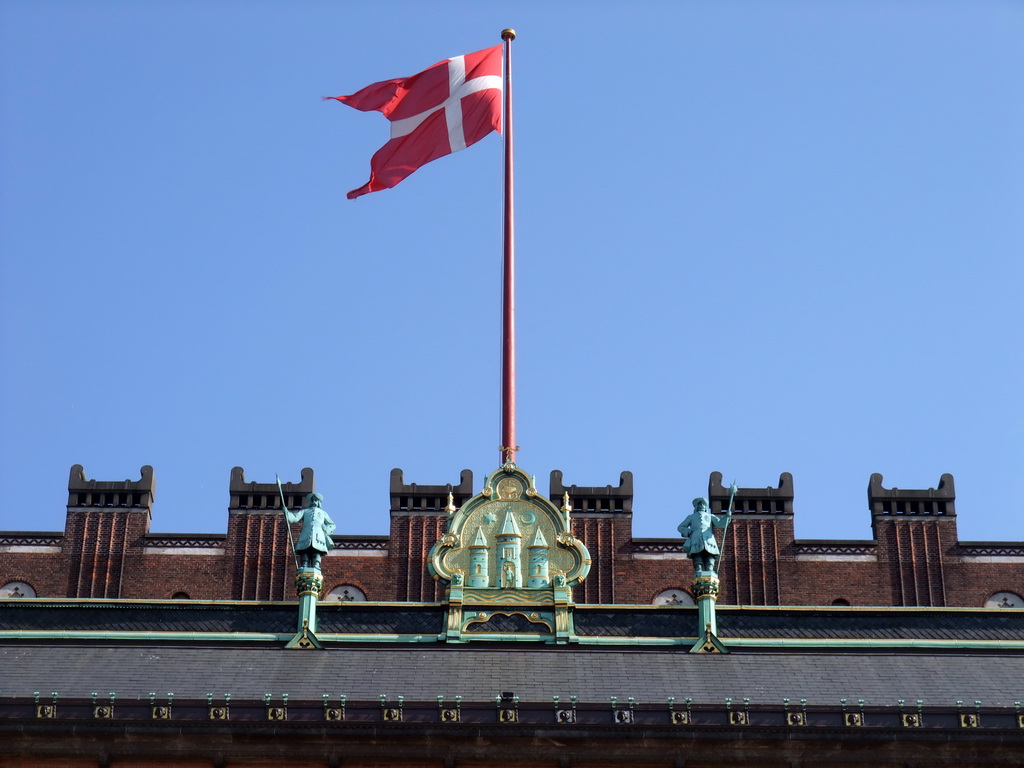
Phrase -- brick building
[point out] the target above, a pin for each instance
(914, 559)
(502, 663)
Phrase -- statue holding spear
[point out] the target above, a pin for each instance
(315, 539)
(698, 531)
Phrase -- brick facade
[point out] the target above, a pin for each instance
(914, 559)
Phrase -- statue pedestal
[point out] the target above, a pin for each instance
(309, 584)
(705, 588)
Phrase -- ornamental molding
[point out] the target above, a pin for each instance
(991, 549)
(671, 546)
(31, 539)
(836, 548)
(185, 541)
(380, 543)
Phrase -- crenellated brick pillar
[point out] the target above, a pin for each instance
(418, 520)
(915, 531)
(105, 521)
(602, 518)
(761, 529)
(262, 565)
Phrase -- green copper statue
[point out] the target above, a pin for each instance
(698, 531)
(317, 527)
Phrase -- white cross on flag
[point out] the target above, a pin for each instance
(441, 110)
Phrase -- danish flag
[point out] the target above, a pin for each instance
(441, 110)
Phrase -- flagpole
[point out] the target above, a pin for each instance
(508, 446)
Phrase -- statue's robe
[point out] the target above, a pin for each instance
(317, 528)
(700, 535)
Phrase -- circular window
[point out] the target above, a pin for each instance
(1005, 600)
(346, 593)
(673, 597)
(840, 601)
(180, 596)
(16, 589)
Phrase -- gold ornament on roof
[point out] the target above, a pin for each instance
(508, 489)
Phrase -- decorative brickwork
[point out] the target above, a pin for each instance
(184, 541)
(602, 517)
(246, 496)
(893, 502)
(84, 493)
(105, 526)
(418, 518)
(606, 499)
(760, 534)
(379, 543)
(989, 549)
(752, 501)
(658, 546)
(914, 559)
(917, 530)
(262, 565)
(835, 548)
(9, 539)
(412, 498)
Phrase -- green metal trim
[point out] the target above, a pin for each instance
(79, 602)
(380, 638)
(255, 637)
(764, 643)
(794, 642)
(532, 637)
(864, 608)
(708, 643)
(322, 604)
(25, 634)
(665, 641)
(632, 607)
(134, 602)
(305, 639)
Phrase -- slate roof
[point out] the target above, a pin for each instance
(609, 621)
(266, 618)
(219, 655)
(801, 623)
(888, 624)
(134, 617)
(364, 619)
(535, 673)
(602, 622)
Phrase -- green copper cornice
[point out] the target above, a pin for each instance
(513, 615)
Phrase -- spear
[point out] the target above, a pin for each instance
(287, 526)
(728, 519)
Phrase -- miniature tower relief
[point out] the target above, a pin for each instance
(510, 547)
(538, 578)
(479, 561)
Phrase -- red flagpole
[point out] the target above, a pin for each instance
(508, 314)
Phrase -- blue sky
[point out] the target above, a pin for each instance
(752, 237)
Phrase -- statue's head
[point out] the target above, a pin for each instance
(701, 506)
(314, 499)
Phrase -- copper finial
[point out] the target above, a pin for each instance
(508, 34)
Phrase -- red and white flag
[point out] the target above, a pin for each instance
(441, 110)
